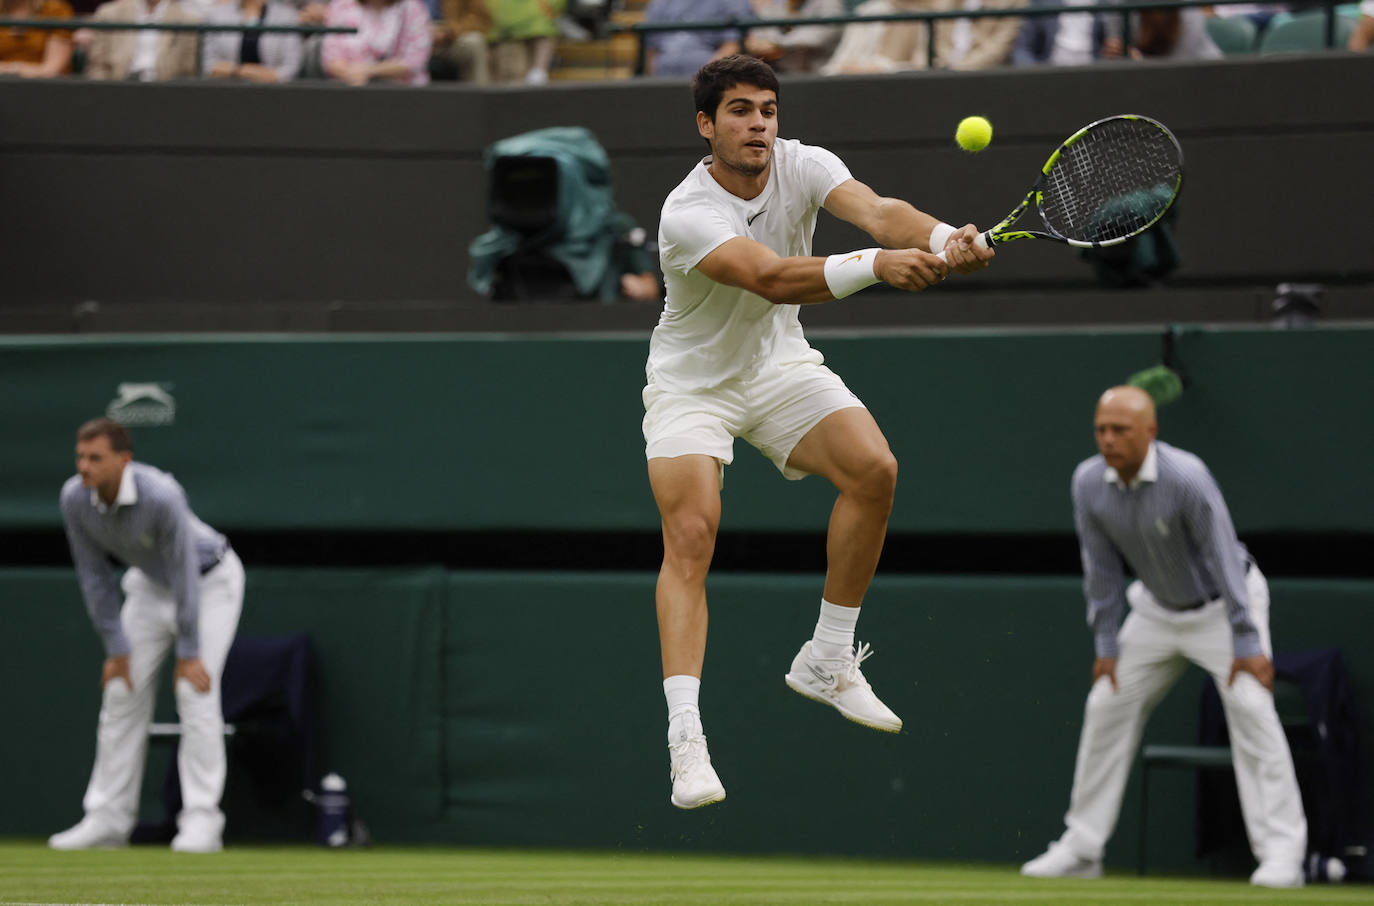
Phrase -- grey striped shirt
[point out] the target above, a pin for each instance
(1172, 528)
(149, 526)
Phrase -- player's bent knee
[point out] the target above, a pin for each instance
(691, 539)
(878, 477)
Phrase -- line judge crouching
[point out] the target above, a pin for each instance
(183, 589)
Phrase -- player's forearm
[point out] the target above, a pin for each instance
(793, 281)
(900, 225)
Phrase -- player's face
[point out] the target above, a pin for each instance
(1124, 434)
(98, 465)
(743, 130)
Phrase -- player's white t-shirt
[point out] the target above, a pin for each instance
(710, 333)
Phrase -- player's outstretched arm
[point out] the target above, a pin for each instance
(899, 225)
(803, 280)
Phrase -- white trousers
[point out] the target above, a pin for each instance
(149, 621)
(1156, 645)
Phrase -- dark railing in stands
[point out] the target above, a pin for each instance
(93, 25)
(642, 29)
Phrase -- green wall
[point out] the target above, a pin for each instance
(467, 432)
(525, 709)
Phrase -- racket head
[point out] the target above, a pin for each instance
(1110, 181)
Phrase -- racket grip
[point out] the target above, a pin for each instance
(981, 240)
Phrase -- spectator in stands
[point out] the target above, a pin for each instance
(1165, 34)
(312, 12)
(35, 53)
(392, 42)
(460, 40)
(1068, 39)
(977, 43)
(260, 57)
(1072, 39)
(522, 39)
(148, 55)
(682, 53)
(1362, 38)
(796, 48)
(867, 47)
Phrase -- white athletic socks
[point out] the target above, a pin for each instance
(684, 717)
(834, 630)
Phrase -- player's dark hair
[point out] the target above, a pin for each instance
(719, 76)
(106, 427)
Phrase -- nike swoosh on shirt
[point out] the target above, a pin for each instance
(750, 221)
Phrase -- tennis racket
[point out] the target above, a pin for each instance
(1109, 181)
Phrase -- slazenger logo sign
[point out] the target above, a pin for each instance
(140, 405)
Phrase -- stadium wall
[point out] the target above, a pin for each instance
(499, 433)
(189, 195)
(523, 709)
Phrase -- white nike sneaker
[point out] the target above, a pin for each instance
(89, 833)
(840, 683)
(694, 780)
(1061, 862)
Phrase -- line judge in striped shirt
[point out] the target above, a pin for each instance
(182, 589)
(1197, 596)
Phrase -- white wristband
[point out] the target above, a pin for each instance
(851, 272)
(939, 235)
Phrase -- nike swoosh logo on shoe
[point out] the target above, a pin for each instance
(823, 677)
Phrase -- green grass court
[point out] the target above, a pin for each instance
(31, 873)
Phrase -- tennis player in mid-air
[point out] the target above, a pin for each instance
(728, 359)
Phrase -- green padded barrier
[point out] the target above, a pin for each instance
(464, 432)
(511, 709)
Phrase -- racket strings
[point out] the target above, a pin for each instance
(1113, 181)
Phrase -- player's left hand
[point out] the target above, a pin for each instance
(193, 671)
(1259, 666)
(963, 254)
(910, 269)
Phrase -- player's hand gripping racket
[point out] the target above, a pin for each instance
(1109, 181)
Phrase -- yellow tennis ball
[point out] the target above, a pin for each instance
(974, 133)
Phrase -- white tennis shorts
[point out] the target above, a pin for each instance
(772, 411)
